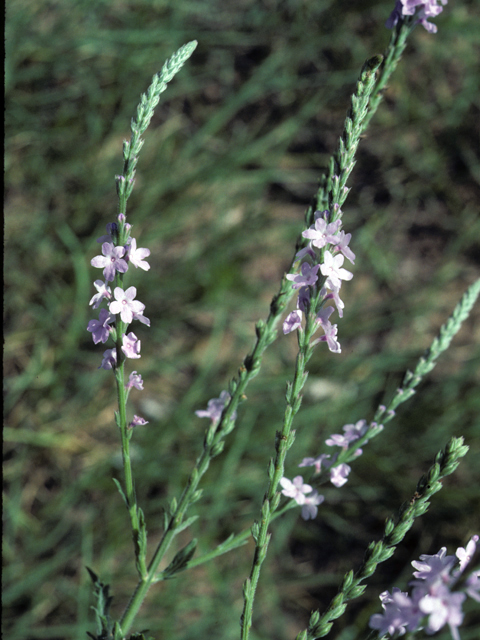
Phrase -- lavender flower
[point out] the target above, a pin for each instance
(426, 9)
(103, 290)
(215, 407)
(131, 345)
(134, 380)
(137, 421)
(310, 506)
(99, 328)
(136, 256)
(296, 489)
(316, 462)
(111, 261)
(307, 278)
(332, 268)
(321, 233)
(109, 359)
(125, 304)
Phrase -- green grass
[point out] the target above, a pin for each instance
(230, 163)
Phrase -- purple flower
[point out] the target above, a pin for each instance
(104, 291)
(352, 432)
(109, 359)
(334, 295)
(137, 421)
(316, 462)
(134, 380)
(131, 346)
(295, 489)
(332, 269)
(324, 314)
(321, 233)
(442, 607)
(292, 321)
(342, 245)
(330, 336)
(136, 256)
(427, 9)
(215, 407)
(400, 613)
(111, 261)
(432, 568)
(310, 506)
(99, 328)
(339, 475)
(141, 318)
(125, 304)
(307, 278)
(303, 299)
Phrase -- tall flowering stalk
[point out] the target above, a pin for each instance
(119, 253)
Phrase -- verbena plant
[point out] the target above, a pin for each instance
(316, 274)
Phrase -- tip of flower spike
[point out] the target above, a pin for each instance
(373, 63)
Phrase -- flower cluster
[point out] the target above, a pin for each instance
(119, 251)
(325, 253)
(432, 603)
(338, 474)
(426, 9)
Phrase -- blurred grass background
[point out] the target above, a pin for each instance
(231, 160)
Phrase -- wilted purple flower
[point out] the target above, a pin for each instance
(342, 245)
(104, 291)
(134, 380)
(109, 359)
(303, 299)
(112, 231)
(324, 314)
(99, 328)
(307, 278)
(215, 407)
(330, 337)
(137, 422)
(316, 462)
(292, 321)
(141, 318)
